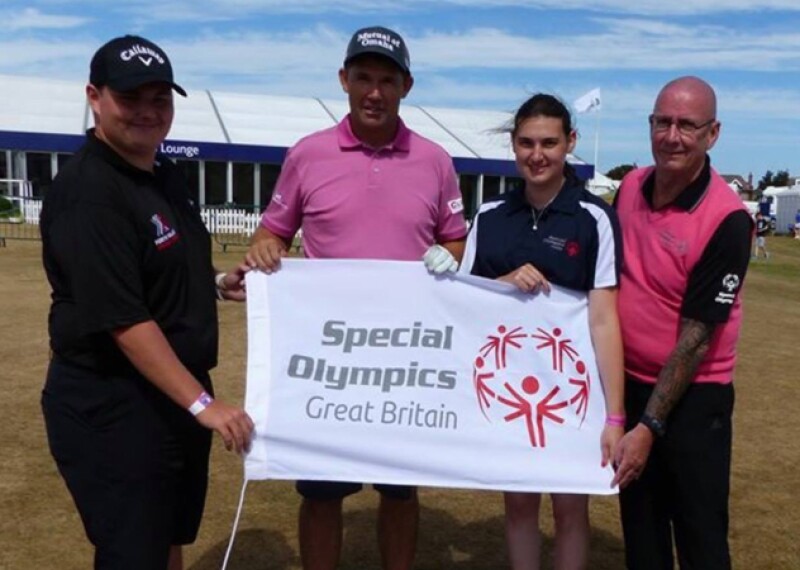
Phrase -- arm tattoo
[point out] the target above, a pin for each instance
(678, 372)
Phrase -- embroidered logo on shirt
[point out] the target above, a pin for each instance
(730, 284)
(672, 243)
(165, 235)
(555, 243)
(573, 248)
(278, 199)
(456, 206)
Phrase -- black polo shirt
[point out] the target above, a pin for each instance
(727, 252)
(575, 241)
(123, 246)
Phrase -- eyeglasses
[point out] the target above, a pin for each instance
(685, 127)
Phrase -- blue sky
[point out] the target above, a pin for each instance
(485, 54)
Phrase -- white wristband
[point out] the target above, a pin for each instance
(201, 403)
(219, 281)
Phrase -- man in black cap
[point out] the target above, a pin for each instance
(128, 401)
(367, 188)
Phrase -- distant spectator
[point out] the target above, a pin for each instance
(762, 229)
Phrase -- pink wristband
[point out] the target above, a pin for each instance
(616, 420)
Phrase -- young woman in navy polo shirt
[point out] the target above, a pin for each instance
(552, 230)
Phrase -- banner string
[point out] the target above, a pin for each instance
(235, 526)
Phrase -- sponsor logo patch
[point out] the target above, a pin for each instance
(456, 206)
(142, 53)
(165, 235)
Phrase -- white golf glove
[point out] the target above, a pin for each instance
(438, 260)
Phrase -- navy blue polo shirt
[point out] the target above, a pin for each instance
(575, 241)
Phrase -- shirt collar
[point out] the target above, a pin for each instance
(347, 139)
(111, 156)
(689, 197)
(565, 201)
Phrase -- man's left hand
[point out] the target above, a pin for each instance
(631, 455)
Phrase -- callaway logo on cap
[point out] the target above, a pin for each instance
(380, 41)
(129, 62)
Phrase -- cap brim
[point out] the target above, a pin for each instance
(131, 83)
(380, 53)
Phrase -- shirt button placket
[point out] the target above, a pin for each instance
(374, 170)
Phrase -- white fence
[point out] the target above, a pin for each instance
(31, 211)
(228, 226)
(218, 221)
(230, 221)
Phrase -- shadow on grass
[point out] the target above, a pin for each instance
(444, 544)
(254, 548)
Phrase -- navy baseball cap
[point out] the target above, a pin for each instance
(379, 41)
(128, 62)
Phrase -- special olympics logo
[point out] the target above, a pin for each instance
(542, 354)
(573, 248)
(731, 282)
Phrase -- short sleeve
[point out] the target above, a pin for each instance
(450, 225)
(106, 276)
(717, 277)
(471, 249)
(284, 215)
(608, 262)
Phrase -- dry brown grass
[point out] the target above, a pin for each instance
(39, 528)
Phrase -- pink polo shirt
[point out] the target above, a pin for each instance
(353, 201)
(661, 249)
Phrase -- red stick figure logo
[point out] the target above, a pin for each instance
(540, 398)
(542, 410)
(498, 344)
(560, 347)
(572, 248)
(479, 380)
(581, 397)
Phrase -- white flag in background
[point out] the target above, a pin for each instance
(589, 102)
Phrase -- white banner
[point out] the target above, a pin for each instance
(378, 372)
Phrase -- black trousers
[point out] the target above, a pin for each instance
(135, 463)
(683, 490)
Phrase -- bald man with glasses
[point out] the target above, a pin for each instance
(686, 240)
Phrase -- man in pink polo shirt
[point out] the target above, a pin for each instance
(367, 188)
(686, 240)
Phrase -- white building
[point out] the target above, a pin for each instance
(231, 145)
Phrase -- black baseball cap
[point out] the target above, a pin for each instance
(379, 41)
(127, 62)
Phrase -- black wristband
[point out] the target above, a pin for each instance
(656, 426)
